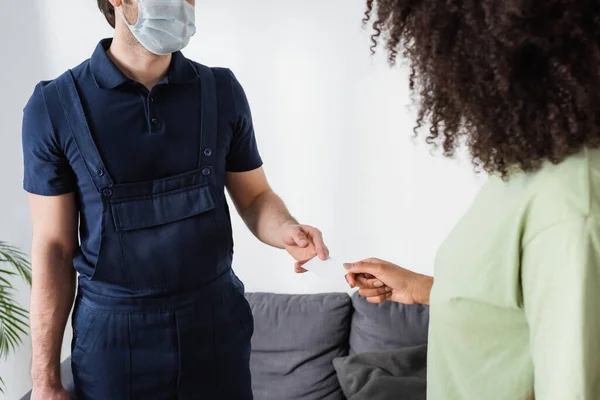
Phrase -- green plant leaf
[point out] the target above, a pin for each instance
(18, 311)
(13, 318)
(17, 259)
(15, 322)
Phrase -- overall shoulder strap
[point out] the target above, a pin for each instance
(65, 91)
(209, 119)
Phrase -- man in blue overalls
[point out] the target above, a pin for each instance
(132, 151)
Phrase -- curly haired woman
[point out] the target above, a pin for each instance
(515, 308)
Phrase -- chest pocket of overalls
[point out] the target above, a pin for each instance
(168, 233)
(167, 237)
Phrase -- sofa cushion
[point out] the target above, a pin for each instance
(389, 325)
(384, 375)
(296, 338)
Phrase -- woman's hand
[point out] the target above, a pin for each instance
(380, 280)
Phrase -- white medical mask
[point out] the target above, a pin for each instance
(163, 26)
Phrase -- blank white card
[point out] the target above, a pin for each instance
(330, 270)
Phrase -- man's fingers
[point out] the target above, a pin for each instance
(322, 251)
(374, 292)
(295, 237)
(317, 240)
(301, 239)
(289, 240)
(298, 267)
(301, 263)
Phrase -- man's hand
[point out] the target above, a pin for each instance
(269, 219)
(303, 243)
(380, 280)
(50, 393)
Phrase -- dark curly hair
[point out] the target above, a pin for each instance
(517, 81)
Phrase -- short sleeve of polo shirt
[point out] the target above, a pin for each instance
(46, 169)
(243, 152)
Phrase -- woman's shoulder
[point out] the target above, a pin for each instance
(558, 193)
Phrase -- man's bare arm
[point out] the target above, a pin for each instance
(55, 224)
(268, 218)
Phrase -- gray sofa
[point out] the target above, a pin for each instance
(309, 347)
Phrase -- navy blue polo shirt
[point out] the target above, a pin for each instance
(141, 136)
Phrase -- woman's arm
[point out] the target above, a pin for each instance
(380, 280)
(561, 298)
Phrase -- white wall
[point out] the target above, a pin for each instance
(332, 123)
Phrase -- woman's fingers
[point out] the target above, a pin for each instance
(374, 292)
(379, 299)
(371, 267)
(351, 279)
(363, 281)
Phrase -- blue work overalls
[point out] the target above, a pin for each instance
(184, 329)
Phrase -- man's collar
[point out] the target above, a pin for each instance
(181, 70)
(108, 76)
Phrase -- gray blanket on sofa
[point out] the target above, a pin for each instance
(387, 375)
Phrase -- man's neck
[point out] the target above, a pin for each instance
(136, 62)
